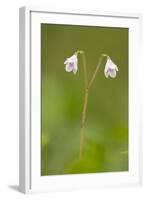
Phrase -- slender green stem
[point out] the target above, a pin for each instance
(96, 70)
(83, 123)
(85, 70)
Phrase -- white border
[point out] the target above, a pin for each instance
(30, 179)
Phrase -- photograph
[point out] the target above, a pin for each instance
(84, 99)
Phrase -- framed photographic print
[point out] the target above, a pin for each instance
(80, 100)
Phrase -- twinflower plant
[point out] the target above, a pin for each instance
(71, 65)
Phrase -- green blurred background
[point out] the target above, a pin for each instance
(106, 126)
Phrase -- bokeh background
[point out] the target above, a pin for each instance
(106, 126)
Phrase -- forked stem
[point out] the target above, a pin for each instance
(87, 88)
(96, 70)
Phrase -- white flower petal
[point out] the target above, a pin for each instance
(112, 64)
(116, 68)
(106, 74)
(73, 59)
(71, 64)
(75, 68)
(107, 65)
(106, 69)
(68, 68)
(110, 69)
(112, 73)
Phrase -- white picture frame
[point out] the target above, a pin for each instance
(30, 178)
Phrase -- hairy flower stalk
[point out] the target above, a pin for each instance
(71, 65)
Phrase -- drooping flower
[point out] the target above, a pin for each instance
(110, 68)
(71, 64)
